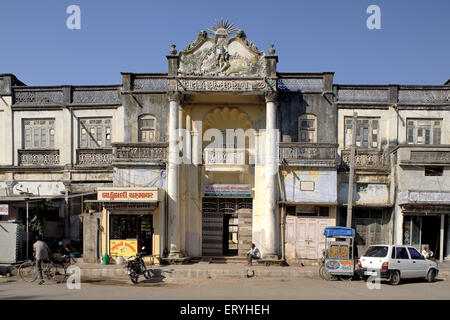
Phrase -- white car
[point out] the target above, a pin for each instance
(395, 262)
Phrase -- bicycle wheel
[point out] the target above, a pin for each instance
(27, 271)
(325, 275)
(58, 272)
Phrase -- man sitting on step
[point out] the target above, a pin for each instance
(253, 253)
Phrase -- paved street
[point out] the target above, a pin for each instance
(252, 288)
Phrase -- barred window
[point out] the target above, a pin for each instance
(367, 133)
(423, 131)
(307, 125)
(38, 133)
(147, 128)
(95, 133)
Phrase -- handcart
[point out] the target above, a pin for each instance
(338, 260)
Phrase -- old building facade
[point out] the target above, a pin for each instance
(224, 151)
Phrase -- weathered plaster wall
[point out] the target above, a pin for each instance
(139, 176)
(292, 105)
(140, 104)
(409, 177)
(324, 180)
(372, 194)
(5, 130)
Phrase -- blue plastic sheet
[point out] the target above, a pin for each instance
(336, 232)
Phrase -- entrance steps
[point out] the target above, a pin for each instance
(220, 259)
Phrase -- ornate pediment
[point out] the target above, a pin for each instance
(227, 54)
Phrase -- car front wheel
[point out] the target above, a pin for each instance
(395, 278)
(431, 276)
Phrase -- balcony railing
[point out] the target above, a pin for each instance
(423, 154)
(231, 156)
(366, 159)
(140, 152)
(41, 157)
(315, 154)
(94, 157)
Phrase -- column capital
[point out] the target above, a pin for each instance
(174, 96)
(271, 96)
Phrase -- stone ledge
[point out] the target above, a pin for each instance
(182, 260)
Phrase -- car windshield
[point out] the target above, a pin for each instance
(376, 251)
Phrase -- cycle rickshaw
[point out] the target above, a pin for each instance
(338, 260)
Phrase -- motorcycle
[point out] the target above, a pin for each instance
(136, 267)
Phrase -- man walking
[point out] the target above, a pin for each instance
(41, 252)
(253, 253)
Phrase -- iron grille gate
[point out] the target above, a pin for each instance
(213, 222)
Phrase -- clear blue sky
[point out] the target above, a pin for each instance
(413, 46)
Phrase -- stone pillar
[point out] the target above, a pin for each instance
(398, 226)
(197, 143)
(172, 176)
(271, 172)
(66, 213)
(441, 239)
(447, 244)
(188, 143)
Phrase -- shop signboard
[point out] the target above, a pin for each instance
(128, 194)
(4, 210)
(228, 190)
(123, 248)
(337, 266)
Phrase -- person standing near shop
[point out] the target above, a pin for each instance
(41, 252)
(426, 252)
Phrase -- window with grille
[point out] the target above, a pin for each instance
(39, 133)
(423, 131)
(95, 133)
(147, 128)
(307, 125)
(367, 133)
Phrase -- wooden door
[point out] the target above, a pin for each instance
(301, 238)
(304, 237)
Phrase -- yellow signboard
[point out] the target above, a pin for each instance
(124, 248)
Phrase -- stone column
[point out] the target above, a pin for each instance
(188, 144)
(66, 212)
(172, 176)
(197, 142)
(441, 239)
(271, 172)
(447, 245)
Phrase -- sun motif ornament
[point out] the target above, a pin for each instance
(222, 28)
(228, 54)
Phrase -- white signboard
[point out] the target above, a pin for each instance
(128, 194)
(4, 210)
(228, 190)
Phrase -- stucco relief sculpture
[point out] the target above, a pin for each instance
(223, 56)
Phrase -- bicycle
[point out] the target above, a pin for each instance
(51, 269)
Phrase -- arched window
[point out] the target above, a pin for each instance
(147, 128)
(307, 128)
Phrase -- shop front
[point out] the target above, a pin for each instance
(425, 225)
(131, 221)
